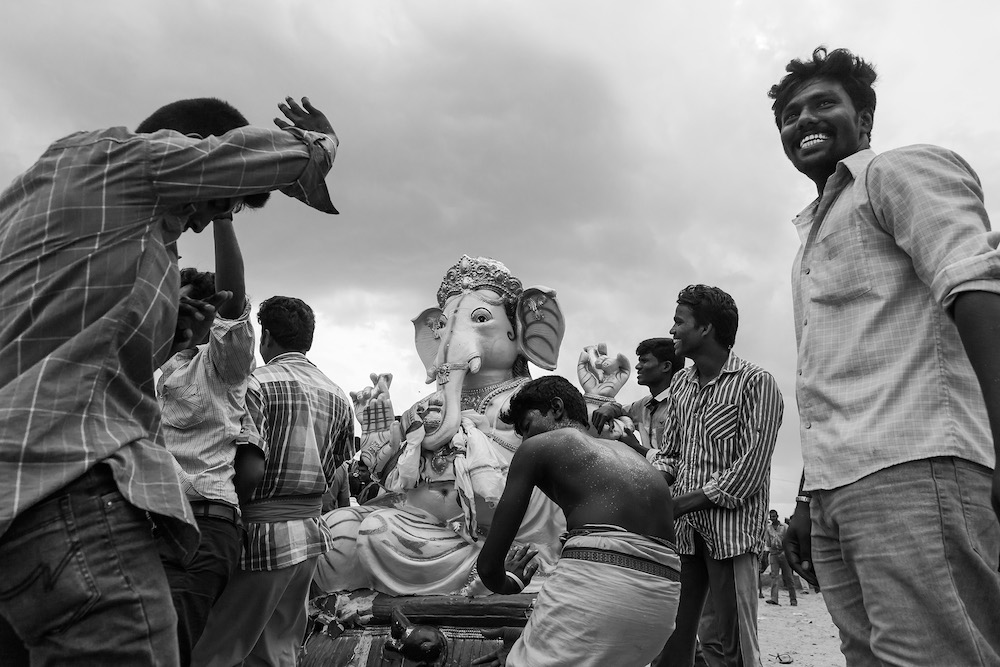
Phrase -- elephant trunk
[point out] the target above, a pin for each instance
(450, 378)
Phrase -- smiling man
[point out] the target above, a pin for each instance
(896, 291)
(722, 424)
(89, 298)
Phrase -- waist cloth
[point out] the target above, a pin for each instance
(612, 600)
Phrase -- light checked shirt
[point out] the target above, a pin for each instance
(89, 293)
(883, 377)
(307, 424)
(724, 433)
(202, 398)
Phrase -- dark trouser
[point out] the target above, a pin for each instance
(196, 586)
(81, 581)
(731, 583)
(780, 566)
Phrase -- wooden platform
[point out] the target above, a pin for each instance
(461, 619)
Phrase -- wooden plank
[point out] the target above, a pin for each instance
(363, 648)
(455, 610)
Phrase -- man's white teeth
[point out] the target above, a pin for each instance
(811, 139)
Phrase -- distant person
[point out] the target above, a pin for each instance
(615, 587)
(89, 300)
(339, 493)
(896, 291)
(307, 426)
(780, 571)
(724, 420)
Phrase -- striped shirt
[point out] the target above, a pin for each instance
(88, 299)
(724, 433)
(307, 424)
(202, 399)
(883, 377)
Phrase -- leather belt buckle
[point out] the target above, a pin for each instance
(206, 508)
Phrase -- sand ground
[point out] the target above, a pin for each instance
(806, 632)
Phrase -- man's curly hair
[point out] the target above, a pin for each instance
(290, 322)
(710, 305)
(852, 72)
(537, 394)
(202, 283)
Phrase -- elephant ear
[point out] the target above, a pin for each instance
(540, 326)
(426, 336)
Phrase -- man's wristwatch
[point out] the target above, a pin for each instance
(803, 499)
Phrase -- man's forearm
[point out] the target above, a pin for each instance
(229, 272)
(692, 501)
(977, 317)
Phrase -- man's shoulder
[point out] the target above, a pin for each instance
(909, 160)
(86, 138)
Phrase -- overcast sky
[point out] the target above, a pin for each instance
(613, 151)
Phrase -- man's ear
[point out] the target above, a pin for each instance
(866, 119)
(558, 408)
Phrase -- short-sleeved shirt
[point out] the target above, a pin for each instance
(308, 427)
(202, 394)
(883, 377)
(88, 299)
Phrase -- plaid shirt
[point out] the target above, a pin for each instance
(649, 414)
(724, 435)
(88, 299)
(883, 377)
(202, 398)
(307, 423)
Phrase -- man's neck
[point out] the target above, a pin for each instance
(709, 364)
(657, 389)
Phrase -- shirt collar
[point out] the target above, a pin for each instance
(288, 356)
(847, 171)
(662, 396)
(733, 365)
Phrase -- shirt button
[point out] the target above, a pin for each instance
(805, 322)
(800, 371)
(807, 271)
(809, 425)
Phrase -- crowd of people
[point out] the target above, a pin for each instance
(174, 517)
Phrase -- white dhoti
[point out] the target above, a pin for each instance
(612, 600)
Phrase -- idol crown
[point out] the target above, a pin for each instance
(479, 273)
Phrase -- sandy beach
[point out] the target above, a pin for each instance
(805, 632)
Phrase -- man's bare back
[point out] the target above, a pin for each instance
(600, 482)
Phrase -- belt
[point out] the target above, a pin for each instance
(215, 510)
(622, 560)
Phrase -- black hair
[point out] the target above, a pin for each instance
(852, 72)
(290, 322)
(663, 350)
(204, 117)
(710, 305)
(537, 394)
(202, 283)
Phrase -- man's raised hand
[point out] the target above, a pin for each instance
(305, 117)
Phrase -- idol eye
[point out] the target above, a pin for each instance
(481, 315)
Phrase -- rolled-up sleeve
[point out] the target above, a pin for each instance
(244, 161)
(931, 201)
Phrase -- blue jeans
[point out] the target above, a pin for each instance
(907, 560)
(82, 582)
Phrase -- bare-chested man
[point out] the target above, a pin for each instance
(617, 580)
